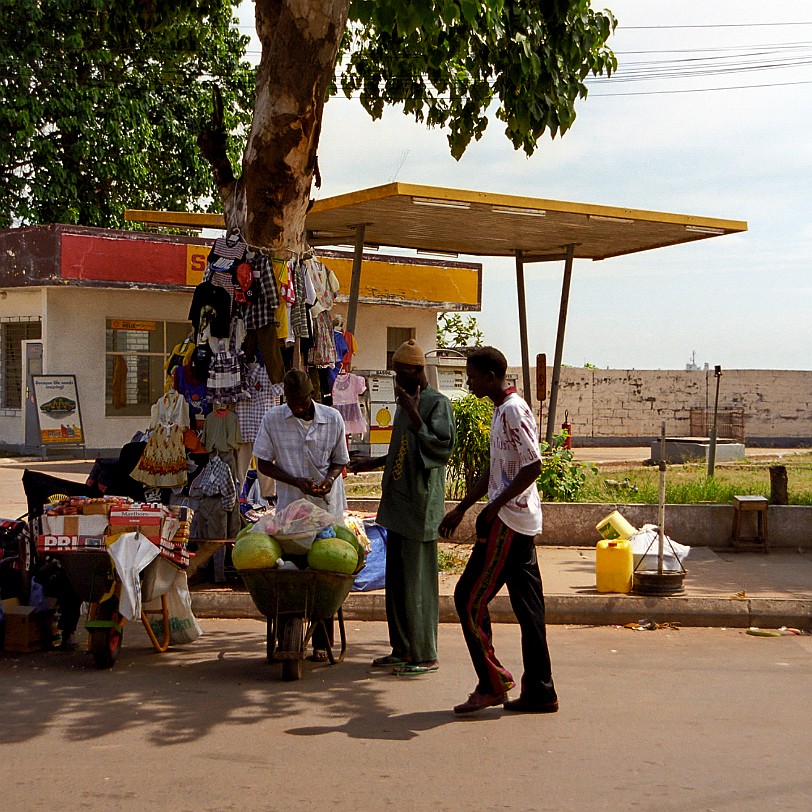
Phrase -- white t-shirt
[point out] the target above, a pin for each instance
(515, 444)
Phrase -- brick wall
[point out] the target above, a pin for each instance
(629, 405)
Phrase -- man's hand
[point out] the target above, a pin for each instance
(360, 465)
(306, 486)
(409, 403)
(324, 487)
(451, 521)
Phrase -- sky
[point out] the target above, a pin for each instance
(717, 125)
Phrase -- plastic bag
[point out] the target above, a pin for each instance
(131, 553)
(183, 625)
(645, 545)
(373, 575)
(298, 518)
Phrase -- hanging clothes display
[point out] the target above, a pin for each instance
(298, 310)
(227, 253)
(341, 350)
(224, 384)
(210, 312)
(250, 411)
(346, 390)
(221, 435)
(163, 463)
(323, 351)
(193, 390)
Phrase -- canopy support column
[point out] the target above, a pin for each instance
(528, 392)
(355, 283)
(559, 342)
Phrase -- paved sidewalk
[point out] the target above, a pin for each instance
(722, 588)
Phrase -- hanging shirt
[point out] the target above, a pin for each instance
(262, 310)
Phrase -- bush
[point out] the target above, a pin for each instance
(561, 477)
(471, 456)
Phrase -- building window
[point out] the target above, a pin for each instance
(395, 336)
(13, 334)
(134, 363)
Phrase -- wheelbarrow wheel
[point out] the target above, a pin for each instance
(105, 643)
(291, 642)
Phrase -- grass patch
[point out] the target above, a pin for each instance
(450, 560)
(690, 484)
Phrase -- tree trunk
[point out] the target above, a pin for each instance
(300, 40)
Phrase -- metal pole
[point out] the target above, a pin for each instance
(528, 393)
(661, 504)
(559, 342)
(717, 371)
(355, 283)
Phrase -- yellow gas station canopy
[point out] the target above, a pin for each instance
(436, 219)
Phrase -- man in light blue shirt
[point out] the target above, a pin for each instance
(303, 446)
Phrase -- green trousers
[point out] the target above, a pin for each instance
(412, 597)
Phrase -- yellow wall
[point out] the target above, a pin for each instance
(423, 283)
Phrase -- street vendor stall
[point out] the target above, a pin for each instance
(125, 560)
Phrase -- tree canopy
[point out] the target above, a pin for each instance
(104, 102)
(101, 102)
(448, 61)
(445, 61)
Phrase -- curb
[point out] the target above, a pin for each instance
(579, 610)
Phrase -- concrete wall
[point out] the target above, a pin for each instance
(631, 404)
(573, 523)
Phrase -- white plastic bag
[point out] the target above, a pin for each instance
(645, 545)
(131, 553)
(183, 625)
(295, 526)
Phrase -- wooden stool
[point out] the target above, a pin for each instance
(745, 504)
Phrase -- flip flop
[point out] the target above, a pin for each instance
(388, 661)
(415, 669)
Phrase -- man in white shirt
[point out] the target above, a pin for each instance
(303, 446)
(505, 552)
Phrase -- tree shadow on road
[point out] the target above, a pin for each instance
(183, 695)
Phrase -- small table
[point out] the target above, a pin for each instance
(747, 504)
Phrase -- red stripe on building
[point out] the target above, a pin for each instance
(123, 260)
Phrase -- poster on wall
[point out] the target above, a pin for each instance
(57, 406)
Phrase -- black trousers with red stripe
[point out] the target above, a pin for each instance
(505, 558)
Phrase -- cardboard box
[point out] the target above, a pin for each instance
(146, 519)
(62, 543)
(24, 629)
(94, 526)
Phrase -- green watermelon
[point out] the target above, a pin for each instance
(333, 555)
(243, 530)
(255, 551)
(345, 534)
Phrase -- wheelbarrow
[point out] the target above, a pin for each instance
(295, 603)
(93, 578)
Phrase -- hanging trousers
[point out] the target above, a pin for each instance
(505, 558)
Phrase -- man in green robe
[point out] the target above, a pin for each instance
(411, 508)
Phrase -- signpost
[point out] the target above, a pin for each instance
(57, 406)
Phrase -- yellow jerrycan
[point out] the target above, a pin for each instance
(614, 566)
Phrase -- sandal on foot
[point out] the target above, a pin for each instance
(414, 669)
(388, 661)
(319, 655)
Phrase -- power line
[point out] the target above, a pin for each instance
(694, 90)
